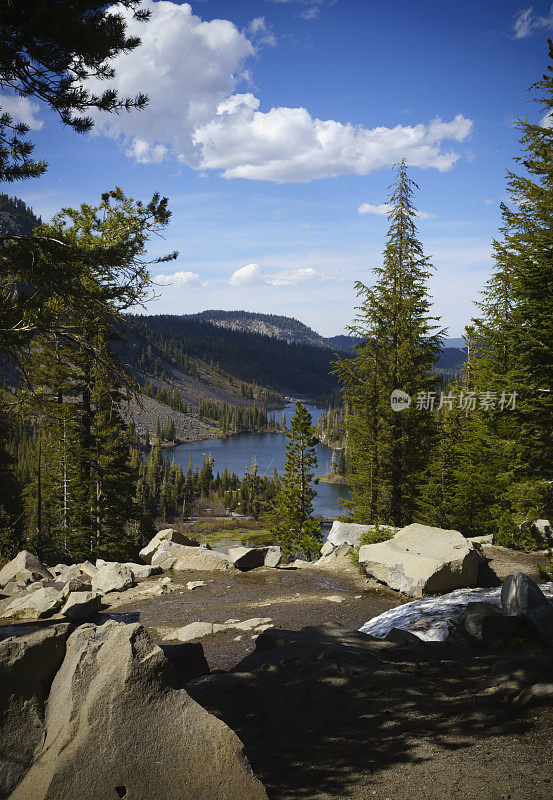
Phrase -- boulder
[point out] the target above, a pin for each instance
(520, 594)
(141, 571)
(71, 571)
(350, 533)
(23, 561)
(346, 533)
(194, 630)
(246, 558)
(421, 559)
(166, 535)
(35, 605)
(81, 584)
(28, 664)
(88, 569)
(81, 605)
(112, 578)
(273, 556)
(117, 727)
(181, 558)
(188, 660)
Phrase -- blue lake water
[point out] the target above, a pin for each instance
(237, 453)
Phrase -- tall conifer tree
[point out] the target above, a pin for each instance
(398, 344)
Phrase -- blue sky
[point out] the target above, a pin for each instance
(273, 126)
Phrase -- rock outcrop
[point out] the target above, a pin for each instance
(28, 664)
(116, 727)
(422, 560)
(112, 577)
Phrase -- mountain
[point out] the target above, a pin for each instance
(286, 329)
(16, 217)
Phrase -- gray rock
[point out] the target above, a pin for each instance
(141, 571)
(519, 594)
(246, 558)
(350, 533)
(81, 584)
(399, 636)
(81, 605)
(188, 660)
(113, 713)
(273, 556)
(487, 539)
(112, 578)
(166, 535)
(71, 571)
(536, 694)
(88, 569)
(489, 628)
(195, 584)
(23, 561)
(540, 620)
(194, 630)
(181, 558)
(28, 664)
(421, 559)
(35, 605)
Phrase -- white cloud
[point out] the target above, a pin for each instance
(188, 279)
(312, 7)
(21, 109)
(303, 226)
(383, 209)
(547, 120)
(526, 22)
(261, 32)
(191, 70)
(253, 274)
(288, 144)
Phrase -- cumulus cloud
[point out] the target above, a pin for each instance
(288, 144)
(188, 279)
(526, 22)
(21, 109)
(191, 71)
(383, 209)
(254, 275)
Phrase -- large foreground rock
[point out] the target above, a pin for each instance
(35, 605)
(422, 560)
(521, 597)
(23, 562)
(166, 535)
(28, 664)
(181, 558)
(115, 727)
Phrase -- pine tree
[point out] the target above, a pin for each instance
(398, 343)
(291, 522)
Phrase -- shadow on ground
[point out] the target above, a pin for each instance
(393, 722)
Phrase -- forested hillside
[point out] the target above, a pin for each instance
(293, 368)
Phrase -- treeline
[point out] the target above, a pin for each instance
(475, 454)
(169, 397)
(294, 368)
(165, 491)
(331, 427)
(234, 419)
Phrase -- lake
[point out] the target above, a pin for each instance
(238, 452)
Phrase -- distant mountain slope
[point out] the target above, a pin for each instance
(298, 368)
(286, 329)
(16, 216)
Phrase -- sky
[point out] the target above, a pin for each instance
(273, 127)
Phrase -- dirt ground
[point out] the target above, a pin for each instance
(422, 726)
